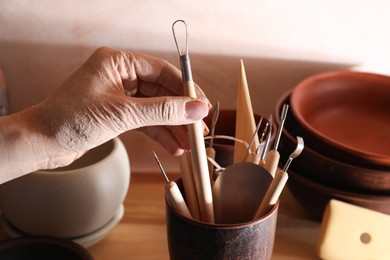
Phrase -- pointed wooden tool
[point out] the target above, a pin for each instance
(245, 120)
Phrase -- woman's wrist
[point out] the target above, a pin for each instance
(24, 144)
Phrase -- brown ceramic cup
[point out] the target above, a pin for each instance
(190, 239)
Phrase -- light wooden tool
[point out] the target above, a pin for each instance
(173, 193)
(353, 232)
(273, 156)
(187, 177)
(195, 132)
(273, 192)
(245, 121)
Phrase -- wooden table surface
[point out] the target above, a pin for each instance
(141, 234)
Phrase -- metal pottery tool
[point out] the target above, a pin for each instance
(174, 195)
(248, 150)
(210, 152)
(245, 120)
(255, 157)
(273, 156)
(267, 142)
(218, 169)
(273, 192)
(195, 132)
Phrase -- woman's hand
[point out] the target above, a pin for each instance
(112, 92)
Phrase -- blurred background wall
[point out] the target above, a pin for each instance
(280, 41)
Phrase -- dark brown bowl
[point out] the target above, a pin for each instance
(348, 111)
(323, 167)
(42, 248)
(314, 196)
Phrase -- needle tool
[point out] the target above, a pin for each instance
(195, 132)
(267, 142)
(273, 156)
(210, 151)
(275, 189)
(173, 193)
(252, 157)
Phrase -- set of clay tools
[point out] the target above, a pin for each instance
(243, 191)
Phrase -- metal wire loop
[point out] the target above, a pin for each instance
(175, 38)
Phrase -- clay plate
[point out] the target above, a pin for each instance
(330, 169)
(348, 110)
(314, 196)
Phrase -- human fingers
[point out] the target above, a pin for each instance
(165, 138)
(140, 112)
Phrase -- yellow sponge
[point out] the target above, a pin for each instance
(353, 232)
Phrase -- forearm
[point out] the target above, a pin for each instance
(20, 139)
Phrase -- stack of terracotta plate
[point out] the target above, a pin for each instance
(344, 118)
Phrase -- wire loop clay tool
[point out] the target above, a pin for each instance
(195, 132)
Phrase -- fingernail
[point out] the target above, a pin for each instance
(196, 110)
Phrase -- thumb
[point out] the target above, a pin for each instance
(167, 110)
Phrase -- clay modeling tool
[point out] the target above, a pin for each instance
(248, 150)
(255, 157)
(267, 142)
(214, 120)
(245, 121)
(273, 156)
(238, 192)
(278, 183)
(218, 169)
(353, 232)
(173, 193)
(210, 152)
(187, 178)
(195, 132)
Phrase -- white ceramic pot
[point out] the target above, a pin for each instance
(71, 201)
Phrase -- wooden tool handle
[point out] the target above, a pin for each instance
(272, 161)
(273, 193)
(187, 177)
(262, 163)
(200, 164)
(176, 199)
(253, 158)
